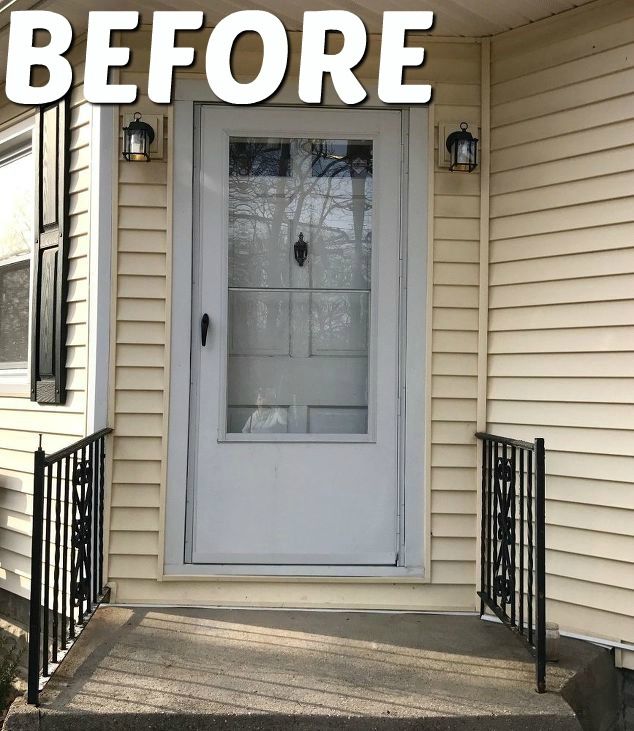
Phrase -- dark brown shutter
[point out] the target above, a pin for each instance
(50, 260)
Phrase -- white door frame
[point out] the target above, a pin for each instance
(414, 265)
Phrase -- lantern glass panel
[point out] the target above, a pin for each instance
(137, 144)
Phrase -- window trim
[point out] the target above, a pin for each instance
(15, 141)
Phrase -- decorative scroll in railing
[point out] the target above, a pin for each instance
(67, 551)
(512, 558)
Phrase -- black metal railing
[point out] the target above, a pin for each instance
(66, 552)
(512, 540)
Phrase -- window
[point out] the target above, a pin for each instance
(16, 245)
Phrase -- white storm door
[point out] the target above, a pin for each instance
(295, 420)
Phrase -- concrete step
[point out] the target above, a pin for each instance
(186, 669)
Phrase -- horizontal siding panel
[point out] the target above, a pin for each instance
(136, 472)
(451, 296)
(453, 572)
(146, 333)
(141, 310)
(135, 496)
(452, 229)
(142, 379)
(459, 526)
(548, 197)
(453, 455)
(563, 267)
(617, 468)
(561, 75)
(452, 432)
(453, 409)
(453, 549)
(551, 173)
(146, 264)
(133, 567)
(453, 364)
(141, 355)
(138, 402)
(600, 416)
(453, 478)
(141, 287)
(142, 241)
(579, 340)
(571, 365)
(591, 491)
(579, 619)
(454, 341)
(563, 219)
(145, 218)
(139, 448)
(584, 390)
(603, 238)
(595, 543)
(454, 318)
(136, 544)
(562, 123)
(456, 273)
(148, 173)
(592, 314)
(573, 439)
(562, 291)
(453, 501)
(606, 137)
(147, 195)
(134, 519)
(139, 424)
(457, 251)
(553, 101)
(563, 41)
(455, 387)
(585, 594)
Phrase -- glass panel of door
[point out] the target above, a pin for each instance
(300, 283)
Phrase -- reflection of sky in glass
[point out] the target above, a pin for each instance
(16, 207)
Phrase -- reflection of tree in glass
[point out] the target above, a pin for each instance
(339, 322)
(16, 225)
(327, 195)
(14, 312)
(16, 207)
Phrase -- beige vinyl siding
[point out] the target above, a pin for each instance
(140, 361)
(561, 319)
(21, 420)
(454, 341)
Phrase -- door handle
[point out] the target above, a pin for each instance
(204, 327)
(300, 249)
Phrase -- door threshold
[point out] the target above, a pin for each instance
(226, 571)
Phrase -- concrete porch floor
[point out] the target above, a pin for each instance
(249, 669)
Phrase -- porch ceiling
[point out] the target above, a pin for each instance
(471, 18)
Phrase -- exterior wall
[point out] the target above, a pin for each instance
(21, 420)
(140, 362)
(561, 334)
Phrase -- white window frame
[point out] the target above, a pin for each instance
(13, 139)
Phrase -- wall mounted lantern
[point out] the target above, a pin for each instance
(463, 150)
(137, 138)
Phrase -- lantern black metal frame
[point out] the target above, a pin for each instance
(453, 146)
(136, 126)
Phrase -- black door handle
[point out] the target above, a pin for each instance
(204, 327)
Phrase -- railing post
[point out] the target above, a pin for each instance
(540, 564)
(35, 611)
